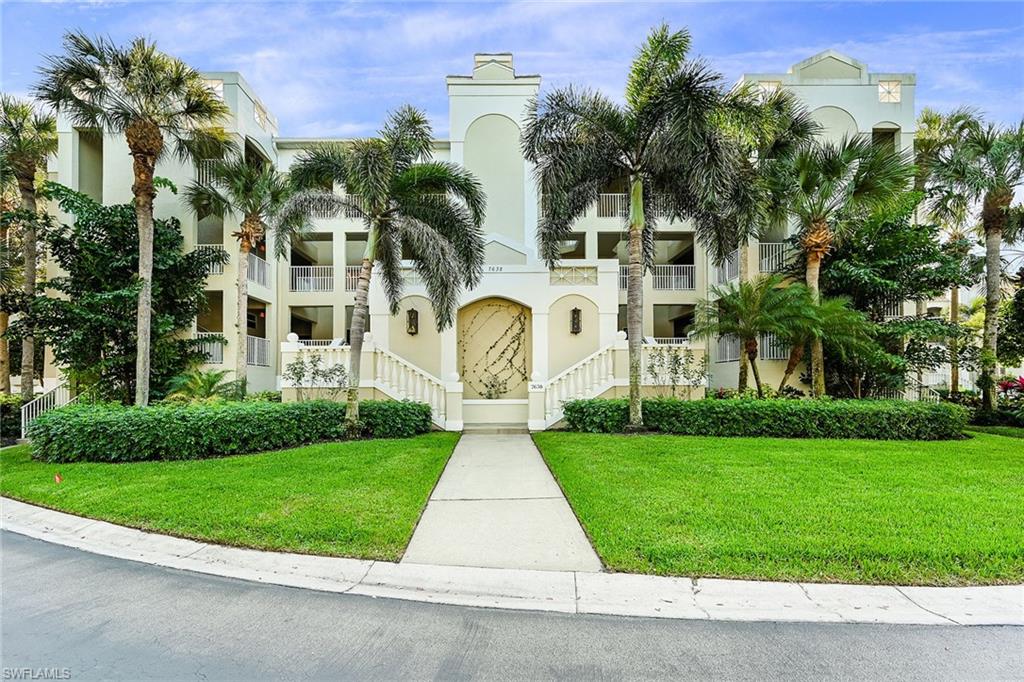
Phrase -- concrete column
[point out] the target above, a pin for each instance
(539, 334)
(535, 419)
(449, 353)
(453, 405)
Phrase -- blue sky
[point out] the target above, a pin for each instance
(335, 68)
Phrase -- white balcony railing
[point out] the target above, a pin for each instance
(772, 256)
(352, 277)
(259, 271)
(771, 347)
(213, 348)
(623, 277)
(674, 277)
(312, 278)
(617, 206)
(257, 351)
(728, 348)
(729, 269)
(325, 209)
(892, 309)
(52, 399)
(204, 170)
(215, 268)
(672, 340)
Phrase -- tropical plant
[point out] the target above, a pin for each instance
(748, 310)
(822, 186)
(986, 165)
(199, 385)
(27, 137)
(160, 104)
(88, 319)
(253, 192)
(846, 332)
(413, 208)
(669, 140)
(10, 280)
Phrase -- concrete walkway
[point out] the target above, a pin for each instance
(560, 591)
(497, 506)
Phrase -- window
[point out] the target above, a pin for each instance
(889, 91)
(768, 87)
(262, 117)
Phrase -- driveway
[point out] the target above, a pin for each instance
(100, 617)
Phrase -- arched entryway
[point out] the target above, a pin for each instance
(494, 349)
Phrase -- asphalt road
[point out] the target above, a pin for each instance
(94, 617)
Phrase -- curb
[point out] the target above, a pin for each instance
(619, 594)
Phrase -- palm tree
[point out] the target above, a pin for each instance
(748, 310)
(415, 208)
(770, 133)
(255, 193)
(987, 165)
(833, 320)
(823, 184)
(667, 140)
(27, 138)
(200, 385)
(153, 99)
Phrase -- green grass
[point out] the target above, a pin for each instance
(935, 513)
(359, 499)
(1008, 431)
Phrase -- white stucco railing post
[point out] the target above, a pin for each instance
(453, 403)
(537, 395)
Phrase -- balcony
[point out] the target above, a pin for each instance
(326, 210)
(312, 278)
(259, 271)
(729, 269)
(773, 256)
(352, 277)
(212, 347)
(617, 206)
(674, 277)
(728, 348)
(671, 340)
(772, 347)
(215, 268)
(257, 351)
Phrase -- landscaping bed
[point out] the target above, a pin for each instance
(875, 419)
(859, 511)
(357, 499)
(115, 433)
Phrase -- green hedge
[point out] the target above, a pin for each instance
(113, 433)
(875, 419)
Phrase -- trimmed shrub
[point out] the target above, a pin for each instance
(873, 419)
(10, 418)
(114, 433)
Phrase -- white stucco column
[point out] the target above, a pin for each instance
(539, 334)
(449, 353)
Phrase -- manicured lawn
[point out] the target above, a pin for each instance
(358, 499)
(935, 513)
(1009, 431)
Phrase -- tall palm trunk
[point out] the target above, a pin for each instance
(954, 359)
(241, 315)
(356, 344)
(816, 245)
(5, 352)
(993, 219)
(750, 353)
(145, 142)
(744, 276)
(27, 186)
(635, 299)
(796, 354)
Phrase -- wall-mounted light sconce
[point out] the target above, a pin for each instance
(412, 322)
(575, 321)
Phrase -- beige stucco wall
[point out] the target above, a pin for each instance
(492, 154)
(564, 348)
(423, 349)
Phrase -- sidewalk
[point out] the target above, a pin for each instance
(563, 591)
(498, 506)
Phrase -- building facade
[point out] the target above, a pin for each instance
(528, 336)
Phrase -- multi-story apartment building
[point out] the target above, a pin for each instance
(527, 336)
